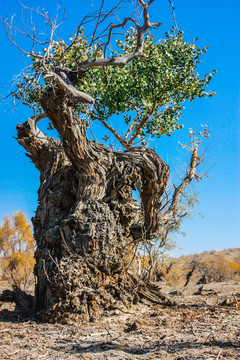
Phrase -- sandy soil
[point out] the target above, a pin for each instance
(196, 328)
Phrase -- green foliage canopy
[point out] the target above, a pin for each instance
(148, 93)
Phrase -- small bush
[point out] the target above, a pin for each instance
(18, 269)
(175, 277)
(16, 249)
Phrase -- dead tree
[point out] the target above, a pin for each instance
(85, 221)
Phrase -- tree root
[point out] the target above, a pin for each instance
(24, 302)
(89, 303)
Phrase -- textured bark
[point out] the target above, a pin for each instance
(85, 218)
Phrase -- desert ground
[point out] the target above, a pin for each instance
(204, 323)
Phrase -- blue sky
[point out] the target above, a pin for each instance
(216, 24)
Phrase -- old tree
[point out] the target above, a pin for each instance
(88, 226)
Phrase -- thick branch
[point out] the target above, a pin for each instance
(30, 130)
(111, 61)
(82, 153)
(150, 176)
(66, 85)
(39, 146)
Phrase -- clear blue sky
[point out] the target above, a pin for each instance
(216, 24)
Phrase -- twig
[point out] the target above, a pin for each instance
(108, 332)
(236, 302)
(140, 126)
(173, 13)
(114, 132)
(100, 333)
(13, 353)
(131, 126)
(64, 242)
(218, 357)
(5, 330)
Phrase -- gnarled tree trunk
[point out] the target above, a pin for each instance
(85, 219)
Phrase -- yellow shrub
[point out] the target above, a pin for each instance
(17, 248)
(175, 276)
(233, 265)
(217, 268)
(18, 269)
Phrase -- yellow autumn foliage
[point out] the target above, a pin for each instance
(175, 277)
(16, 250)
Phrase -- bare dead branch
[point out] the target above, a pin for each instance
(179, 190)
(30, 31)
(97, 16)
(173, 13)
(31, 129)
(126, 20)
(65, 84)
(8, 26)
(32, 123)
(98, 22)
(150, 2)
(124, 59)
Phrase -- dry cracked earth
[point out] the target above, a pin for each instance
(204, 324)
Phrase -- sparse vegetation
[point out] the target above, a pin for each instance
(218, 268)
(206, 267)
